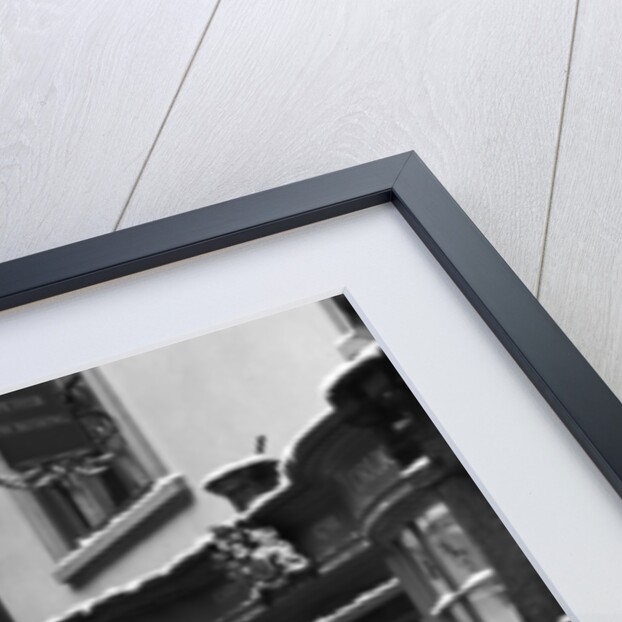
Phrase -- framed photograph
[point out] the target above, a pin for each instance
(329, 401)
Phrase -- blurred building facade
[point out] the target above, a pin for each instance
(183, 411)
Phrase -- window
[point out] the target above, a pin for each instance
(462, 585)
(85, 475)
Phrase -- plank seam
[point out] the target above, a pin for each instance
(166, 116)
(547, 217)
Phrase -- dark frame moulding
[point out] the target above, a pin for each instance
(581, 399)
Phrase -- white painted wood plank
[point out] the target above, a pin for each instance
(282, 91)
(582, 275)
(84, 87)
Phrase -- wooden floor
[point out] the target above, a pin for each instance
(113, 114)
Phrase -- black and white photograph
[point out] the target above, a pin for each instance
(276, 470)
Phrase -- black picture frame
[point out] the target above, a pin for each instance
(572, 388)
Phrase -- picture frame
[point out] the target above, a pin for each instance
(46, 285)
(579, 397)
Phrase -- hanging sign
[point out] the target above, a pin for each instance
(36, 425)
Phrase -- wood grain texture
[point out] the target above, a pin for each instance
(582, 275)
(282, 91)
(84, 87)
